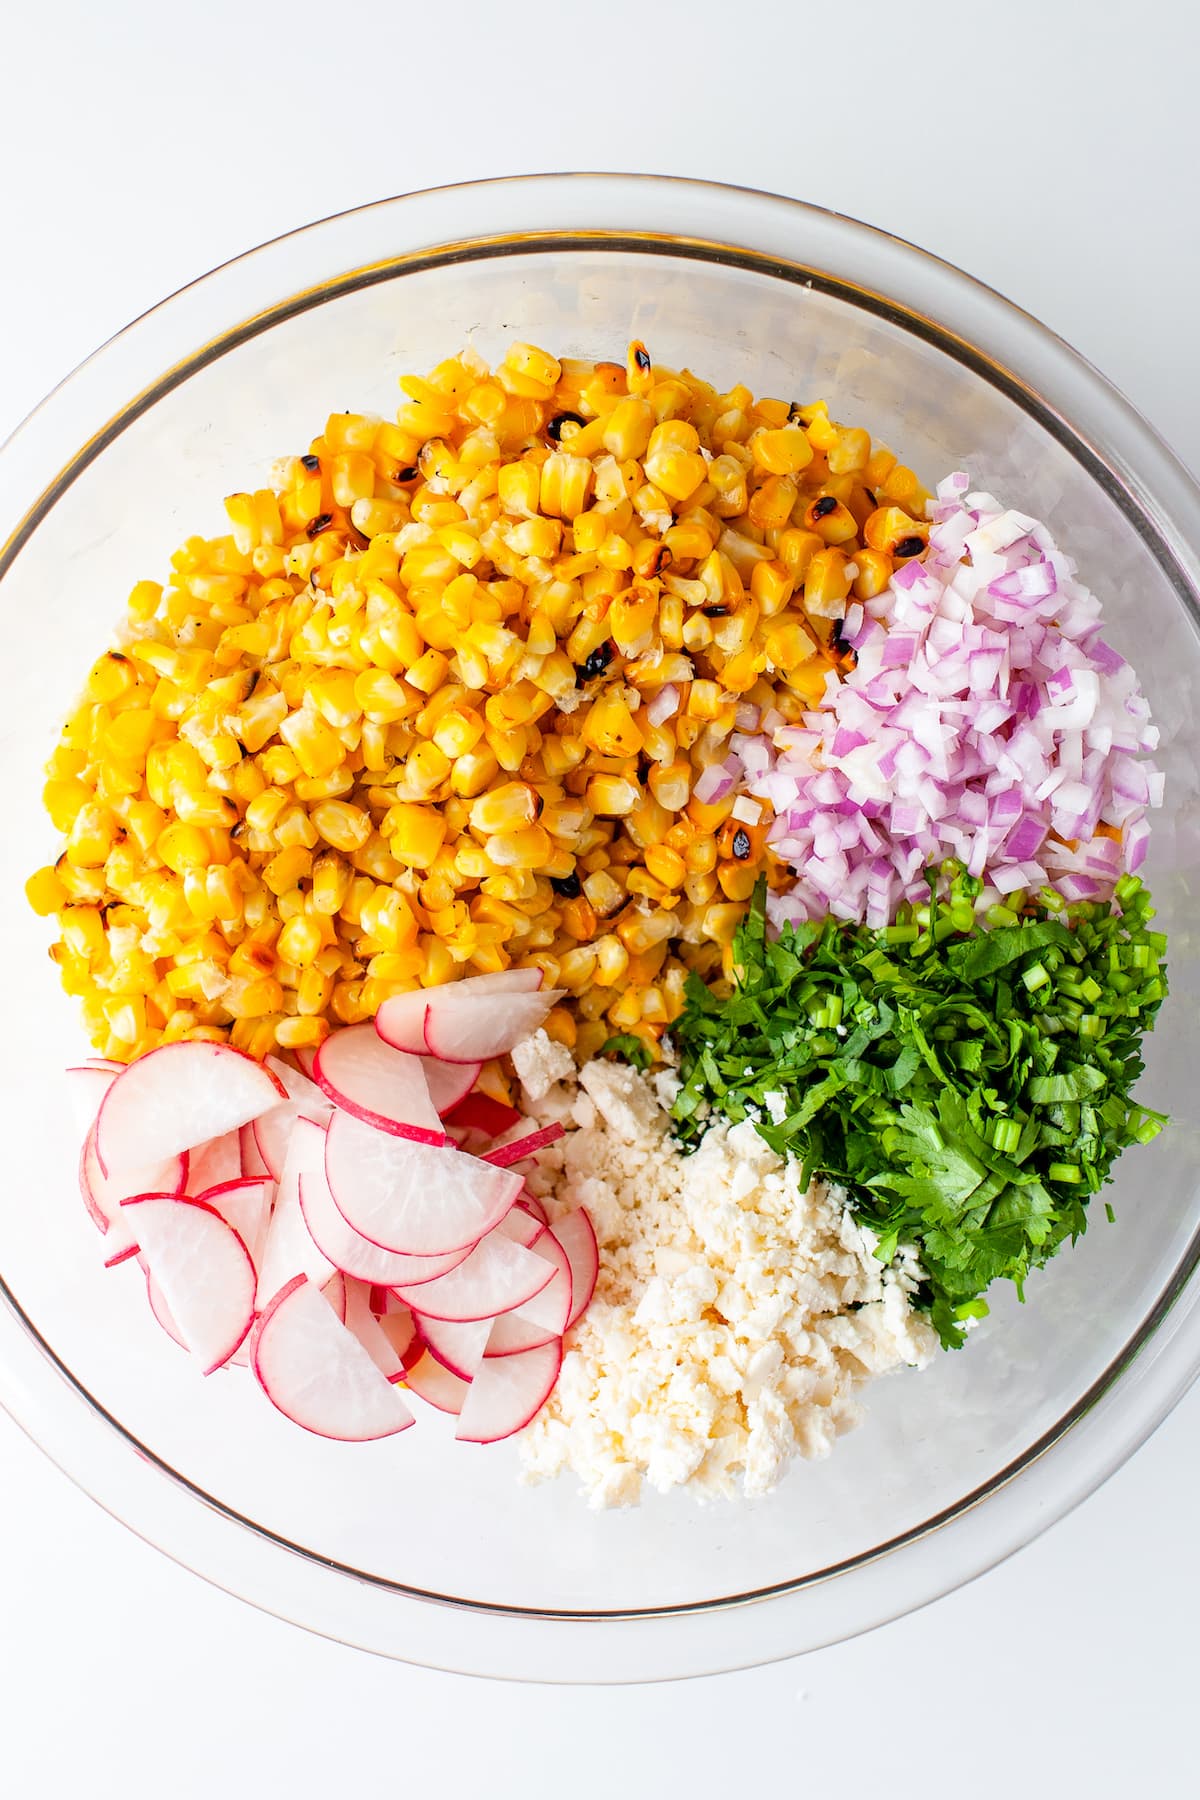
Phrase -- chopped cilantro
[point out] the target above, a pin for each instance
(629, 1048)
(970, 1087)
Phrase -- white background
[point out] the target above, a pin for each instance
(1052, 151)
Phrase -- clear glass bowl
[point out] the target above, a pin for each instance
(417, 1547)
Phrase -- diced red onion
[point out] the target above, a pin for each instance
(664, 704)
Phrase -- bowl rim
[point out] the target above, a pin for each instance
(1169, 540)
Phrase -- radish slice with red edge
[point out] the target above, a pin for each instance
(458, 1344)
(479, 1112)
(103, 1062)
(521, 1226)
(160, 1309)
(203, 1270)
(532, 1205)
(400, 1330)
(577, 1235)
(436, 1384)
(315, 1371)
(252, 1158)
(449, 1084)
(177, 1096)
(246, 1205)
(510, 1335)
(273, 1129)
(103, 1195)
(498, 1276)
(334, 1291)
(345, 1247)
(507, 1393)
(299, 1087)
(366, 1328)
(504, 1155)
(305, 1059)
(289, 1248)
(384, 1087)
(215, 1163)
(411, 1198)
(550, 1308)
(87, 1087)
(400, 1021)
(461, 1027)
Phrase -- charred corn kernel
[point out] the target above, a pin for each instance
(473, 772)
(701, 886)
(626, 429)
(183, 847)
(850, 453)
(827, 584)
(144, 600)
(612, 960)
(519, 488)
(737, 880)
(874, 572)
(666, 865)
(642, 931)
(888, 527)
(505, 808)
(771, 504)
(829, 520)
(381, 698)
(610, 727)
(785, 451)
(705, 700)
(288, 869)
(65, 800)
(788, 644)
(252, 999)
(343, 826)
(45, 892)
(565, 485)
(537, 367)
(671, 785)
(300, 940)
(332, 693)
(387, 918)
(525, 848)
(612, 796)
(316, 747)
(301, 1033)
(415, 834)
(457, 732)
(111, 677)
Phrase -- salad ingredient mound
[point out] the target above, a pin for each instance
(454, 696)
(342, 1239)
(970, 1087)
(985, 720)
(739, 1312)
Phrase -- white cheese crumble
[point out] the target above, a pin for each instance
(736, 1317)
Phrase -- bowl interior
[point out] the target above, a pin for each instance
(419, 1510)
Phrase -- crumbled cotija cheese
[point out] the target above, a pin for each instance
(736, 1315)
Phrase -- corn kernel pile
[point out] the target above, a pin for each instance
(395, 728)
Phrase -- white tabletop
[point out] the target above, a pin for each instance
(1051, 152)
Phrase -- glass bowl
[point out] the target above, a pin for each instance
(417, 1547)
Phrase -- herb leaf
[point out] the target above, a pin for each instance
(970, 1087)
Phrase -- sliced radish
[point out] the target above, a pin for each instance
(273, 1129)
(521, 1226)
(436, 1384)
(103, 1195)
(317, 1373)
(383, 1087)
(400, 1329)
(215, 1163)
(253, 1163)
(299, 1087)
(577, 1235)
(160, 1309)
(459, 1344)
(504, 1155)
(532, 1205)
(203, 1270)
(87, 1087)
(305, 1059)
(345, 1247)
(103, 1062)
(246, 1205)
(497, 1277)
(366, 1328)
(449, 1083)
(400, 1021)
(410, 1197)
(461, 1027)
(479, 1112)
(176, 1096)
(335, 1292)
(550, 1308)
(507, 1393)
(510, 1335)
(288, 1247)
